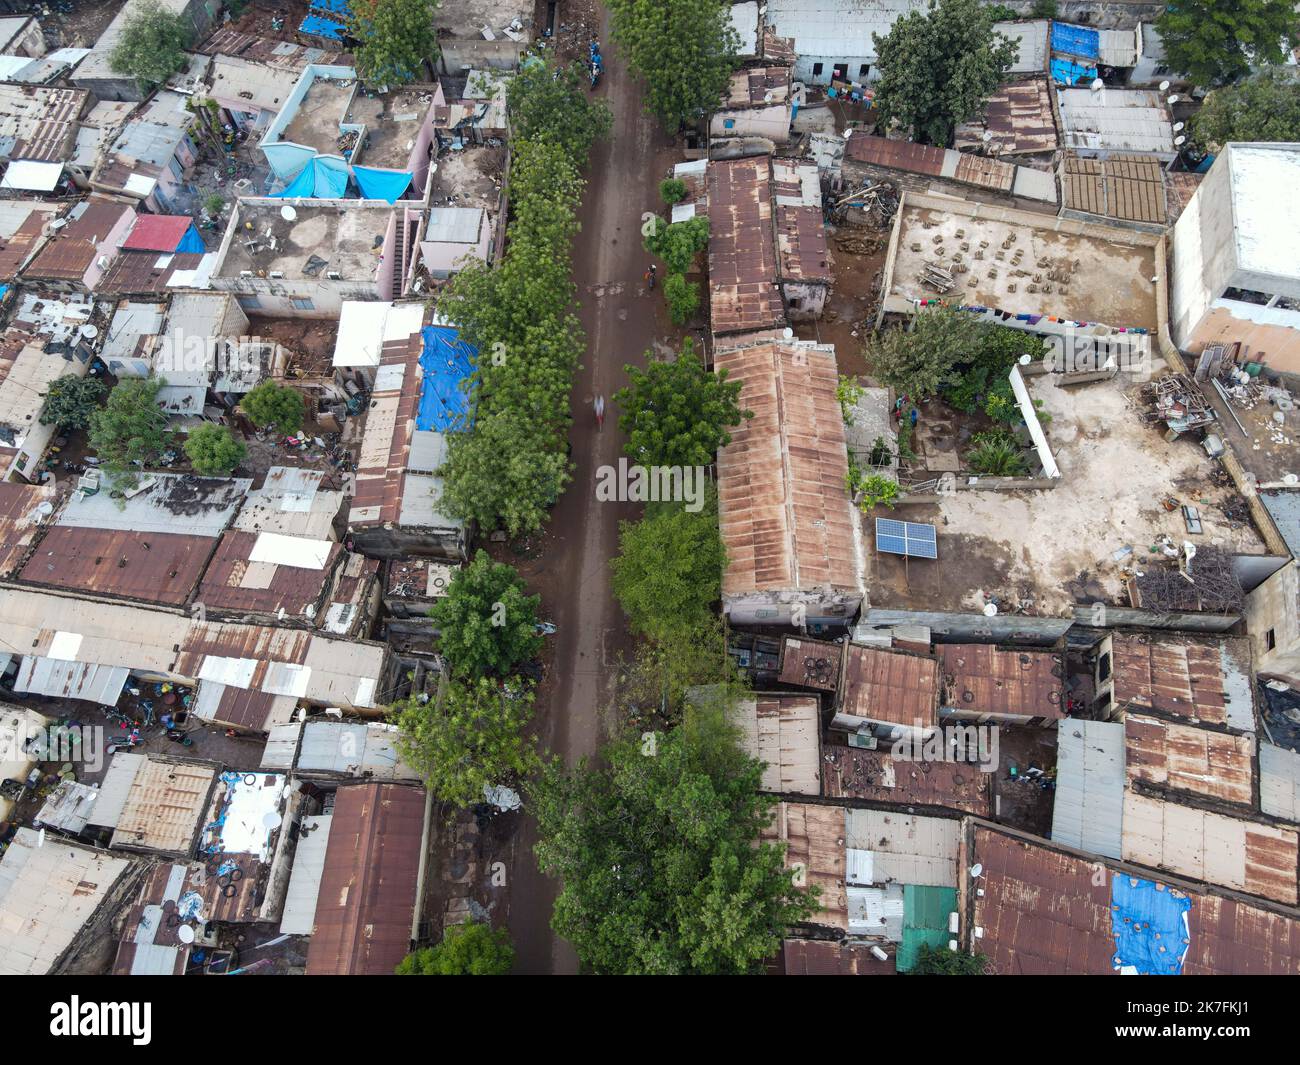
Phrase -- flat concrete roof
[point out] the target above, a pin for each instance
(347, 239)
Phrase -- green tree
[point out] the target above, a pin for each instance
(470, 949)
(152, 45)
(1215, 42)
(678, 243)
(1265, 107)
(487, 622)
(939, 961)
(921, 358)
(130, 430)
(469, 736)
(682, 298)
(668, 573)
(677, 413)
(213, 451)
(683, 50)
(982, 376)
(274, 406)
(655, 847)
(938, 67)
(550, 104)
(653, 686)
(71, 401)
(395, 39)
(672, 190)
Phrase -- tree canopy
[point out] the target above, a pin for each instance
(71, 401)
(668, 573)
(550, 105)
(130, 430)
(1265, 107)
(683, 50)
(213, 451)
(274, 406)
(469, 736)
(938, 67)
(470, 949)
(677, 413)
(919, 359)
(395, 39)
(1215, 42)
(678, 243)
(655, 849)
(152, 45)
(487, 622)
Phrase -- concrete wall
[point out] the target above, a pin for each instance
(459, 56)
(792, 608)
(1108, 14)
(1271, 608)
(974, 628)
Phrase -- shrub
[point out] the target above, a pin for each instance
(682, 297)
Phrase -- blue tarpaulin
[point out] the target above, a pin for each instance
(1149, 923)
(386, 185)
(322, 27)
(331, 7)
(316, 181)
(1075, 40)
(191, 243)
(1067, 72)
(445, 362)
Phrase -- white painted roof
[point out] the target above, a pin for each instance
(295, 551)
(842, 28)
(33, 177)
(364, 327)
(1264, 176)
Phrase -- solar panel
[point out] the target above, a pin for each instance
(906, 538)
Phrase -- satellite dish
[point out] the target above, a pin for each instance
(288, 213)
(1097, 85)
(990, 609)
(1164, 86)
(271, 819)
(977, 869)
(1179, 140)
(1026, 359)
(848, 133)
(185, 933)
(1173, 99)
(788, 333)
(986, 136)
(1178, 126)
(90, 331)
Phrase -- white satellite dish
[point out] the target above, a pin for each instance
(990, 609)
(1178, 126)
(977, 869)
(848, 133)
(185, 933)
(1173, 99)
(288, 213)
(271, 819)
(788, 333)
(1179, 140)
(1026, 359)
(1097, 85)
(90, 331)
(986, 136)
(1164, 86)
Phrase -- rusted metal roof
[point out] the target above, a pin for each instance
(819, 957)
(367, 890)
(234, 582)
(1018, 118)
(1126, 187)
(164, 806)
(19, 519)
(42, 121)
(1207, 680)
(785, 515)
(742, 259)
(801, 245)
(934, 162)
(784, 732)
(759, 86)
(981, 679)
(72, 251)
(390, 424)
(149, 567)
(1217, 765)
(875, 776)
(810, 663)
(1233, 937)
(778, 49)
(889, 686)
(144, 273)
(814, 839)
(26, 239)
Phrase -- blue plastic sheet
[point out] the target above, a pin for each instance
(316, 181)
(1076, 40)
(445, 362)
(386, 185)
(332, 7)
(191, 243)
(1067, 72)
(1149, 924)
(322, 27)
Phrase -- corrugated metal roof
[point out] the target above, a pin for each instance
(904, 848)
(115, 788)
(1284, 509)
(67, 807)
(152, 567)
(1243, 855)
(237, 581)
(367, 900)
(1018, 119)
(1030, 38)
(810, 663)
(1125, 120)
(1088, 811)
(926, 911)
(889, 686)
(819, 957)
(1279, 782)
(281, 746)
(784, 732)
(354, 749)
(62, 679)
(202, 505)
(876, 776)
(980, 679)
(785, 515)
(23, 507)
(299, 916)
(836, 27)
(1185, 758)
(48, 891)
(1205, 680)
(742, 258)
(814, 838)
(1127, 187)
(165, 804)
(291, 501)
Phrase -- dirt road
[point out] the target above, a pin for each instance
(621, 323)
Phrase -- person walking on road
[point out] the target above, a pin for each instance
(650, 276)
(600, 412)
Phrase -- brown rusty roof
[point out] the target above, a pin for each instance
(1174, 675)
(1126, 187)
(819, 957)
(74, 249)
(897, 155)
(19, 520)
(1233, 937)
(778, 49)
(390, 424)
(27, 238)
(802, 253)
(149, 567)
(889, 686)
(234, 583)
(164, 806)
(982, 679)
(742, 259)
(144, 273)
(814, 839)
(786, 518)
(810, 663)
(42, 120)
(244, 708)
(875, 776)
(759, 86)
(367, 891)
(1185, 758)
(1019, 118)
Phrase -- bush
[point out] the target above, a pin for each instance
(274, 406)
(213, 451)
(996, 454)
(466, 950)
(678, 243)
(682, 297)
(940, 961)
(71, 401)
(487, 622)
(672, 190)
